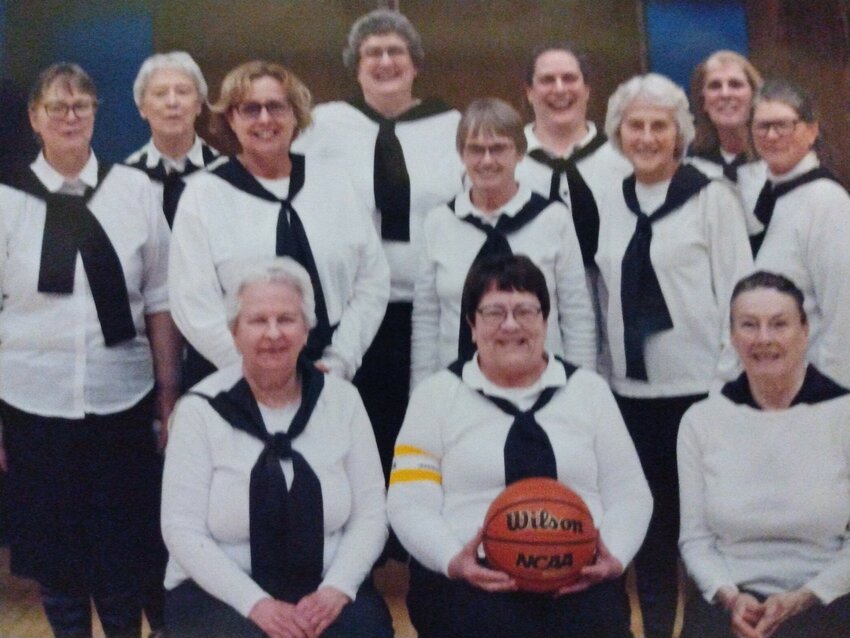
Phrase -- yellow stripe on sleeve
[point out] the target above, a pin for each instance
(405, 450)
(408, 475)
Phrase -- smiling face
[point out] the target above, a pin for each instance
(769, 334)
(558, 93)
(170, 103)
(490, 162)
(649, 138)
(68, 134)
(266, 136)
(270, 330)
(727, 95)
(781, 149)
(385, 68)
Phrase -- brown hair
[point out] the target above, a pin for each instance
(490, 115)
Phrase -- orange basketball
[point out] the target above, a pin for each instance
(540, 532)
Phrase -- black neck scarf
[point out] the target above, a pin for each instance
(71, 228)
(391, 180)
(528, 451)
(286, 523)
(291, 239)
(496, 243)
(771, 192)
(645, 310)
(172, 183)
(816, 387)
(730, 169)
(582, 204)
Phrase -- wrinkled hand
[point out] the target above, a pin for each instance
(745, 611)
(465, 566)
(321, 608)
(780, 607)
(279, 619)
(603, 568)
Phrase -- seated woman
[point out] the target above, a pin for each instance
(460, 444)
(764, 470)
(252, 551)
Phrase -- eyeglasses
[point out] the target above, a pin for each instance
(478, 151)
(58, 110)
(376, 53)
(523, 314)
(782, 127)
(252, 110)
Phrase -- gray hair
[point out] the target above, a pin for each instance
(491, 116)
(656, 90)
(381, 22)
(179, 60)
(279, 270)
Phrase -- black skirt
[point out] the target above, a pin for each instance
(81, 495)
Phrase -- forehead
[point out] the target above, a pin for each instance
(506, 297)
(642, 110)
(723, 69)
(556, 62)
(383, 40)
(264, 86)
(63, 88)
(265, 293)
(487, 136)
(773, 110)
(764, 302)
(169, 76)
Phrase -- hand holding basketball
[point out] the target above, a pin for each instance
(605, 567)
(465, 566)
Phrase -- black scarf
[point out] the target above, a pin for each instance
(71, 228)
(816, 387)
(286, 523)
(391, 180)
(528, 451)
(496, 243)
(730, 169)
(291, 240)
(582, 204)
(645, 310)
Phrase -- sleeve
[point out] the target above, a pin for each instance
(364, 311)
(197, 299)
(626, 499)
(186, 484)
(155, 253)
(425, 340)
(366, 529)
(827, 254)
(415, 498)
(697, 543)
(575, 310)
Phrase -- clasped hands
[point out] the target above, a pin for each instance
(307, 619)
(754, 619)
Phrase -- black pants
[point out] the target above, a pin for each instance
(654, 427)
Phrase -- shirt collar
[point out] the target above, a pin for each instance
(195, 156)
(553, 375)
(464, 207)
(534, 143)
(809, 161)
(53, 180)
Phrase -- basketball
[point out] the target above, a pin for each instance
(541, 533)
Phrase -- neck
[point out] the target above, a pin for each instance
(273, 167)
(491, 200)
(68, 164)
(273, 388)
(515, 377)
(733, 140)
(656, 177)
(174, 147)
(391, 105)
(558, 139)
(772, 393)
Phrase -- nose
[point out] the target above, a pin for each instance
(510, 322)
(272, 329)
(264, 115)
(171, 97)
(559, 84)
(764, 333)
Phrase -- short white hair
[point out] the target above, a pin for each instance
(279, 270)
(179, 60)
(656, 90)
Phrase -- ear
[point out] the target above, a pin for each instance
(472, 328)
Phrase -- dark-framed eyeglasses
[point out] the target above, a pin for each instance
(495, 315)
(58, 110)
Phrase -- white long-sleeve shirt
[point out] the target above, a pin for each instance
(205, 491)
(449, 460)
(765, 496)
(218, 224)
(448, 250)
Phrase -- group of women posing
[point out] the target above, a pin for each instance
(351, 243)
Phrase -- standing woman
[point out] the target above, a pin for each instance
(268, 201)
(804, 216)
(84, 329)
(170, 91)
(398, 150)
(672, 243)
(496, 216)
(722, 90)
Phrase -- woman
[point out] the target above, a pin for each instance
(170, 92)
(84, 333)
(722, 90)
(241, 562)
(398, 150)
(804, 216)
(496, 216)
(773, 558)
(672, 242)
(460, 445)
(267, 201)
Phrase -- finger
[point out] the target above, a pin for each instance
(580, 585)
